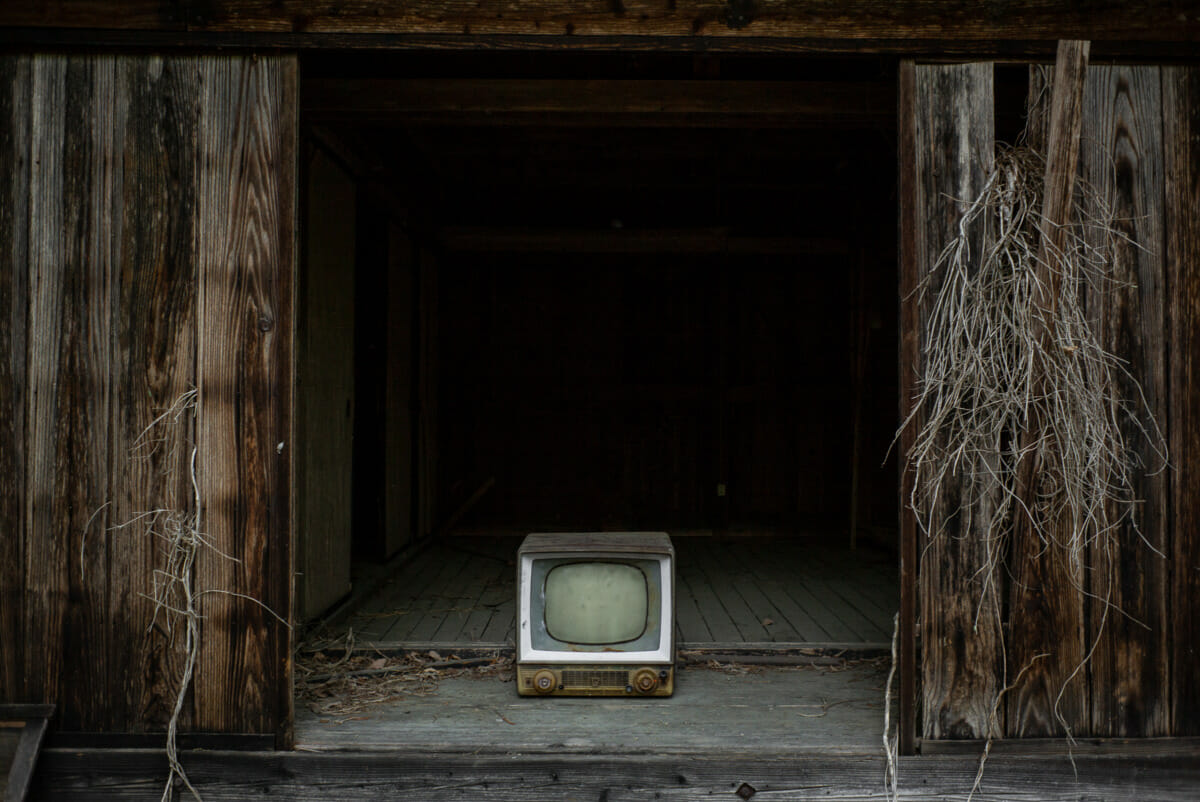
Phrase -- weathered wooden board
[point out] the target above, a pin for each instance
(116, 284)
(1122, 156)
(46, 541)
(758, 592)
(15, 132)
(705, 19)
(89, 298)
(911, 242)
(1046, 642)
(759, 709)
(960, 626)
(326, 390)
(648, 774)
(1181, 141)
(245, 242)
(153, 366)
(609, 103)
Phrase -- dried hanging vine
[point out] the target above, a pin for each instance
(174, 592)
(1014, 375)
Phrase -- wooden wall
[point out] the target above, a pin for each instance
(147, 230)
(1138, 143)
(325, 398)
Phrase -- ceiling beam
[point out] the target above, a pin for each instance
(607, 103)
(795, 21)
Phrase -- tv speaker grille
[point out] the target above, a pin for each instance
(574, 678)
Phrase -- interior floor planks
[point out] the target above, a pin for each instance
(459, 591)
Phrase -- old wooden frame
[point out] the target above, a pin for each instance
(1027, 29)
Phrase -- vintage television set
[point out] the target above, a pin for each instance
(596, 614)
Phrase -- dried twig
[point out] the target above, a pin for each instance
(1012, 377)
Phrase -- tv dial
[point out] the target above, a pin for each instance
(544, 681)
(645, 680)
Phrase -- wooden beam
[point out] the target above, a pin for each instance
(1121, 155)
(1181, 139)
(952, 141)
(245, 243)
(488, 776)
(1047, 616)
(609, 103)
(909, 369)
(703, 20)
(613, 241)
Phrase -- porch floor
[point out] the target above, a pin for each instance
(746, 709)
(732, 592)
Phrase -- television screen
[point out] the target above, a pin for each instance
(595, 603)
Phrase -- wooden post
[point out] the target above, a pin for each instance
(1181, 140)
(947, 142)
(1046, 601)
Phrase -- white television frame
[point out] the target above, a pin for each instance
(605, 548)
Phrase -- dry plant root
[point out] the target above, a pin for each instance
(1008, 378)
(174, 592)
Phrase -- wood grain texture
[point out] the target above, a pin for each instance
(155, 115)
(611, 103)
(938, 28)
(711, 18)
(88, 303)
(960, 608)
(46, 542)
(1047, 627)
(245, 243)
(491, 777)
(909, 357)
(132, 15)
(1181, 142)
(15, 129)
(1122, 156)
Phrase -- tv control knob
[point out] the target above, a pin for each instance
(645, 680)
(544, 681)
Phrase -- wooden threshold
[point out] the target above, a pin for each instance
(491, 776)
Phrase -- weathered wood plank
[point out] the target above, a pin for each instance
(231, 776)
(909, 358)
(245, 243)
(1122, 156)
(15, 126)
(83, 380)
(611, 103)
(46, 542)
(154, 119)
(1046, 641)
(325, 403)
(133, 15)
(960, 626)
(1181, 142)
(819, 19)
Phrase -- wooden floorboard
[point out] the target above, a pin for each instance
(461, 590)
(136, 775)
(753, 708)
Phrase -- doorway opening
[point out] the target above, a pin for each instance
(566, 292)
